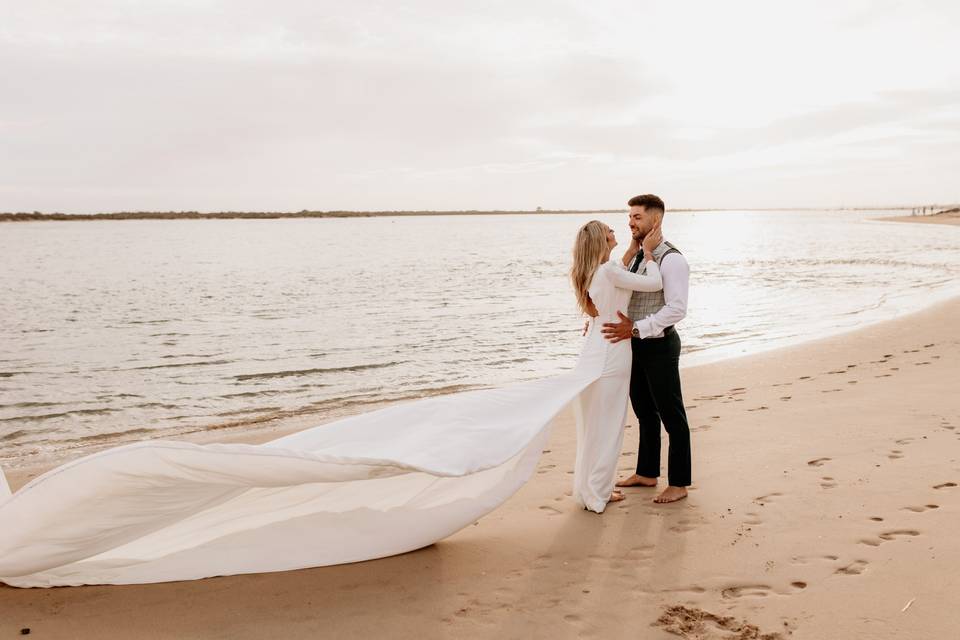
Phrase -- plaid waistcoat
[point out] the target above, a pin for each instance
(645, 303)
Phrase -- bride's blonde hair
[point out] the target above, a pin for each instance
(588, 251)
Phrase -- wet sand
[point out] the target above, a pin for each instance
(825, 505)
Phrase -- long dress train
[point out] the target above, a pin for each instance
(359, 488)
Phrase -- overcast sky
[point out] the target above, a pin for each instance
(283, 105)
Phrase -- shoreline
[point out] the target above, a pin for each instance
(824, 497)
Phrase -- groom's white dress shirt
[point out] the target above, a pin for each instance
(676, 289)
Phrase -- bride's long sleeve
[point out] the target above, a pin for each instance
(625, 279)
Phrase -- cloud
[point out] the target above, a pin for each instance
(217, 105)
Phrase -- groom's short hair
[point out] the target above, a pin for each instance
(647, 201)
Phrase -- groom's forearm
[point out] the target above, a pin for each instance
(655, 323)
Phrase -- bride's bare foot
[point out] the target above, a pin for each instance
(616, 496)
(671, 494)
(638, 481)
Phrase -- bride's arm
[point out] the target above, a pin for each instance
(624, 279)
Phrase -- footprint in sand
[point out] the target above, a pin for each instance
(805, 378)
(922, 508)
(945, 485)
(899, 533)
(785, 398)
(876, 519)
(684, 526)
(746, 591)
(853, 569)
(895, 454)
(828, 482)
(760, 408)
(808, 559)
(819, 462)
(758, 590)
(770, 497)
(887, 536)
(830, 390)
(695, 590)
(551, 510)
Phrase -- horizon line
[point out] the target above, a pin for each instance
(343, 213)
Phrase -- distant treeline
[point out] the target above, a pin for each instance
(220, 215)
(266, 215)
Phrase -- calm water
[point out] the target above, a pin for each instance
(119, 330)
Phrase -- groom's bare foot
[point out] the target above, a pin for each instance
(616, 496)
(638, 481)
(671, 494)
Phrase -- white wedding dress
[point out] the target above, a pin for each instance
(363, 487)
(601, 408)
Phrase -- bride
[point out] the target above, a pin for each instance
(359, 488)
(603, 287)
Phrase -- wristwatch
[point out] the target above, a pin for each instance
(635, 333)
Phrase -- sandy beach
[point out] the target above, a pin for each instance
(951, 217)
(825, 505)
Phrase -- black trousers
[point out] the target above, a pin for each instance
(655, 395)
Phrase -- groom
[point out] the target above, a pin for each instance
(655, 377)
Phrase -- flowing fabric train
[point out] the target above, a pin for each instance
(363, 487)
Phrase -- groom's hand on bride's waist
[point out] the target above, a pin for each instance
(615, 332)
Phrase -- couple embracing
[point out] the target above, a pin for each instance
(651, 282)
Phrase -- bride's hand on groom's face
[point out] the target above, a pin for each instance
(652, 240)
(615, 332)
